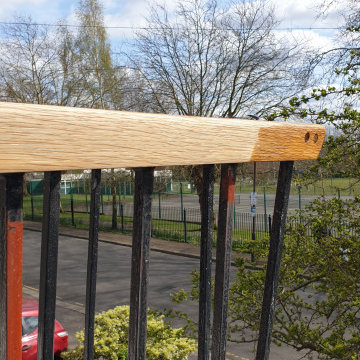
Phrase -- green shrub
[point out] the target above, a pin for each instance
(111, 338)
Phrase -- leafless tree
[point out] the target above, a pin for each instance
(208, 60)
(38, 64)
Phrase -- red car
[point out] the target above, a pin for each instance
(30, 332)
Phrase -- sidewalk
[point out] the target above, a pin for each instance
(164, 246)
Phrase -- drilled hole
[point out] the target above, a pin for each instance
(316, 137)
(307, 137)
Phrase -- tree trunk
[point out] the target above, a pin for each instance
(197, 177)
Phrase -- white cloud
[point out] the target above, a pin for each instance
(305, 13)
(131, 13)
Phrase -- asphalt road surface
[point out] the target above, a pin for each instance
(168, 273)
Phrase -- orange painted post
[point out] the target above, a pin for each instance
(14, 242)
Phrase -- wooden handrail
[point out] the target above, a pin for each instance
(49, 138)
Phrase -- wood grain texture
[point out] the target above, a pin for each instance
(48, 138)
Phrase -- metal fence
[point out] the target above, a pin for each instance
(169, 223)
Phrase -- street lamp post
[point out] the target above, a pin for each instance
(253, 201)
(254, 213)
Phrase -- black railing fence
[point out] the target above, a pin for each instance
(168, 223)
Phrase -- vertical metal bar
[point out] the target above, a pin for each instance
(223, 260)
(159, 205)
(32, 207)
(253, 236)
(3, 292)
(207, 199)
(181, 201)
(144, 178)
(14, 242)
(92, 264)
(265, 212)
(48, 265)
(122, 217)
(72, 208)
(274, 259)
(269, 224)
(185, 227)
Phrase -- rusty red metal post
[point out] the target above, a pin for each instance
(14, 242)
(3, 325)
(223, 260)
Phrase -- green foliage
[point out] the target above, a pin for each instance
(337, 106)
(111, 338)
(318, 304)
(318, 300)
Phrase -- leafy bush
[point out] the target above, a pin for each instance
(111, 338)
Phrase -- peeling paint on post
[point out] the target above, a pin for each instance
(223, 260)
(14, 242)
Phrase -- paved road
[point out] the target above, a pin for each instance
(168, 273)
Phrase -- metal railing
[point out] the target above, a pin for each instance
(33, 140)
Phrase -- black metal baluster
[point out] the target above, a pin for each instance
(207, 198)
(48, 266)
(3, 317)
(92, 264)
(144, 178)
(223, 260)
(274, 259)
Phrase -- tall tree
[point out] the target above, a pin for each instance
(94, 51)
(37, 64)
(100, 82)
(223, 62)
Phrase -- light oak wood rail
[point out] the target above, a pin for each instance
(44, 138)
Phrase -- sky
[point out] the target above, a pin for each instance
(294, 14)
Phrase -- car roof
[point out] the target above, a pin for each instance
(30, 306)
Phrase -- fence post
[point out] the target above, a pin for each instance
(181, 202)
(48, 265)
(102, 203)
(144, 178)
(92, 264)
(207, 200)
(11, 264)
(269, 223)
(184, 221)
(159, 205)
(72, 207)
(119, 198)
(122, 217)
(86, 203)
(274, 259)
(32, 207)
(253, 236)
(339, 194)
(265, 215)
(300, 210)
(3, 269)
(223, 261)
